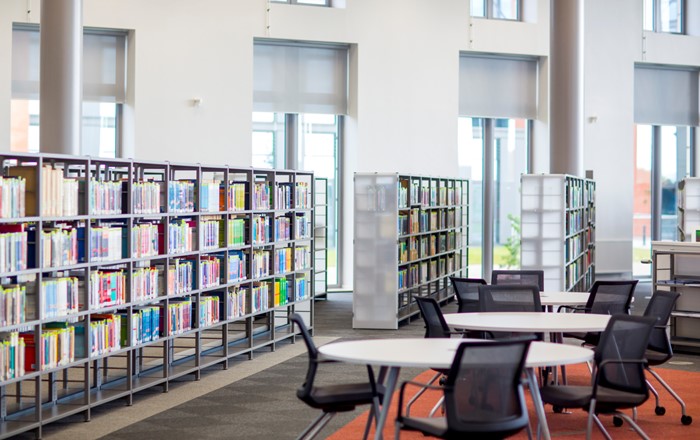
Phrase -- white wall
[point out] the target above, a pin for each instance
(403, 91)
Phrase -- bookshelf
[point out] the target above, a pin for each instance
(410, 236)
(558, 230)
(676, 266)
(321, 238)
(120, 275)
(689, 209)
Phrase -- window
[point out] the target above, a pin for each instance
(496, 9)
(104, 90)
(664, 16)
(299, 97)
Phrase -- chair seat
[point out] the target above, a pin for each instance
(580, 397)
(437, 426)
(656, 357)
(340, 397)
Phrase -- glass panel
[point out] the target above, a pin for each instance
(470, 141)
(675, 166)
(504, 9)
(268, 140)
(670, 16)
(99, 130)
(318, 152)
(641, 220)
(511, 140)
(648, 15)
(478, 9)
(313, 2)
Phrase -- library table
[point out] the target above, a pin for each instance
(438, 353)
(553, 299)
(528, 322)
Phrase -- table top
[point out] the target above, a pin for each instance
(439, 352)
(564, 298)
(528, 321)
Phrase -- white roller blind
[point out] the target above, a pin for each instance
(292, 78)
(497, 87)
(104, 65)
(665, 96)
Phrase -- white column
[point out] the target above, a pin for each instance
(566, 87)
(61, 76)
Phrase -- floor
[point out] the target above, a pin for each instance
(254, 399)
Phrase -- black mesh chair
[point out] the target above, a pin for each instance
(659, 350)
(435, 327)
(467, 293)
(528, 277)
(510, 298)
(606, 298)
(483, 394)
(618, 375)
(332, 399)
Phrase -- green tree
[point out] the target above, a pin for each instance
(512, 245)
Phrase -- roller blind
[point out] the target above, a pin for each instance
(497, 87)
(665, 96)
(104, 64)
(300, 78)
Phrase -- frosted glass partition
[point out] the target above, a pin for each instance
(688, 209)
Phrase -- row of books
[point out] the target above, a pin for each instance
(302, 257)
(208, 310)
(209, 196)
(106, 243)
(260, 297)
(260, 264)
(59, 195)
(180, 236)
(107, 288)
(180, 276)
(282, 260)
(281, 294)
(574, 246)
(60, 297)
(283, 228)
(59, 247)
(261, 229)
(12, 356)
(146, 197)
(402, 192)
(210, 234)
(210, 271)
(56, 348)
(302, 226)
(13, 249)
(420, 273)
(236, 302)
(145, 281)
(236, 232)
(575, 195)
(181, 196)
(283, 195)
(180, 315)
(105, 334)
(145, 326)
(13, 301)
(261, 195)
(144, 240)
(12, 197)
(301, 288)
(105, 197)
(237, 263)
(237, 196)
(302, 195)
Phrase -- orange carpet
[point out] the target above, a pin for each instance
(573, 425)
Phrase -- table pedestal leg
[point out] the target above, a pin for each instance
(537, 403)
(389, 387)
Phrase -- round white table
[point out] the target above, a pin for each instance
(528, 322)
(439, 353)
(551, 299)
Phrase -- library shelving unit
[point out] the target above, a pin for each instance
(676, 266)
(558, 230)
(321, 238)
(689, 209)
(120, 275)
(410, 236)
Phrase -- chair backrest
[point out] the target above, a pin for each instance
(611, 297)
(467, 293)
(528, 277)
(509, 298)
(435, 325)
(660, 307)
(304, 392)
(625, 337)
(483, 390)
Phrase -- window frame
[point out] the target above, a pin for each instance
(657, 25)
(326, 4)
(488, 8)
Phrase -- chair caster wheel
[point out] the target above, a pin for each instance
(660, 410)
(686, 420)
(558, 409)
(617, 421)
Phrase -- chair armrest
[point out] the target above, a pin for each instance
(403, 389)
